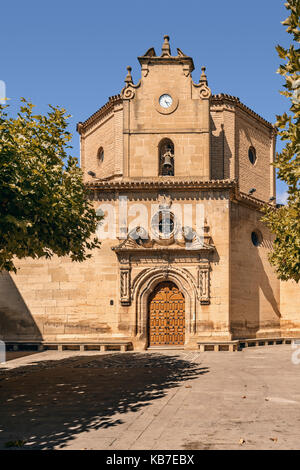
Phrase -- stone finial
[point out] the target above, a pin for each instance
(203, 77)
(166, 51)
(150, 52)
(128, 78)
(180, 53)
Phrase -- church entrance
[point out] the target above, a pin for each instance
(166, 315)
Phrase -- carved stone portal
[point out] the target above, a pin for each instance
(163, 260)
(139, 249)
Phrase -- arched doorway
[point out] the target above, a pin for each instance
(166, 309)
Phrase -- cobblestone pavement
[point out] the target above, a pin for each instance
(152, 400)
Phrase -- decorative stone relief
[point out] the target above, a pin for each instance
(128, 94)
(139, 249)
(203, 282)
(125, 286)
(204, 92)
(164, 201)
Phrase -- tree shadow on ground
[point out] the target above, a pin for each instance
(48, 403)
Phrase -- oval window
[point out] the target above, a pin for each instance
(252, 155)
(256, 238)
(100, 155)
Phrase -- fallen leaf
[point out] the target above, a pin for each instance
(17, 443)
(274, 439)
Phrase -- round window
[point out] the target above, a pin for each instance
(163, 223)
(252, 155)
(256, 238)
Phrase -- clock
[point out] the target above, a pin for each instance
(165, 101)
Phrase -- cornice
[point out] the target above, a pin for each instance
(160, 183)
(252, 201)
(165, 249)
(223, 98)
(127, 184)
(167, 60)
(107, 107)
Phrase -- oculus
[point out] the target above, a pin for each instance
(163, 224)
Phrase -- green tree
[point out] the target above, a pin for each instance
(44, 209)
(285, 221)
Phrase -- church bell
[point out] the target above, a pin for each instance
(167, 163)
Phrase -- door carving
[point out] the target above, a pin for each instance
(166, 316)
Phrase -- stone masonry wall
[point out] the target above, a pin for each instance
(59, 300)
(250, 133)
(255, 289)
(290, 308)
(108, 134)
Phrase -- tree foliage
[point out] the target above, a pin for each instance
(44, 208)
(285, 221)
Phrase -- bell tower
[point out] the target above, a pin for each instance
(166, 118)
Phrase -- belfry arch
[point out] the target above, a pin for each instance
(166, 164)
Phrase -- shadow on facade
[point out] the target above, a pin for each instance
(48, 403)
(221, 154)
(246, 302)
(16, 321)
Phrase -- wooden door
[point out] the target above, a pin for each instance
(166, 316)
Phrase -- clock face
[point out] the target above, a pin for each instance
(165, 101)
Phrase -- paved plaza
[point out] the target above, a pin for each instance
(168, 399)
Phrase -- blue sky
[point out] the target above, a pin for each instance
(74, 53)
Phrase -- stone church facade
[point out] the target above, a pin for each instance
(181, 176)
